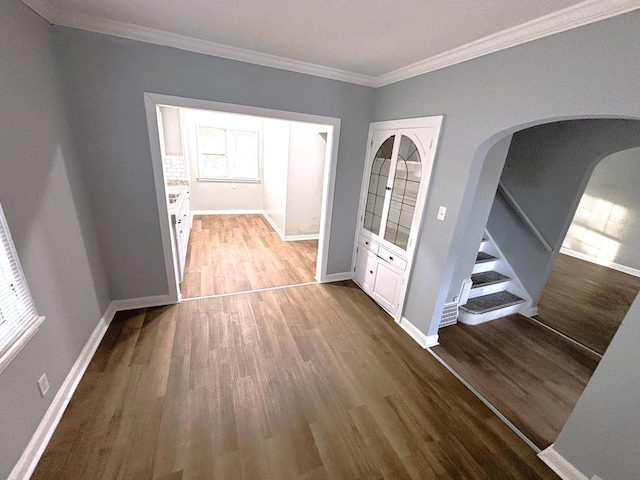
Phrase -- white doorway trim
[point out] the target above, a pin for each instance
(153, 100)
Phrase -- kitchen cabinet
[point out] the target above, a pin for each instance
(400, 158)
(181, 223)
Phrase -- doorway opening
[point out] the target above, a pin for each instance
(532, 357)
(245, 195)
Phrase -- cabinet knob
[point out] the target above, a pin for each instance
(366, 243)
(390, 258)
(371, 272)
(180, 221)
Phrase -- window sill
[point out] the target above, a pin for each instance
(23, 338)
(230, 180)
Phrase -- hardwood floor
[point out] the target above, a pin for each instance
(586, 302)
(532, 375)
(238, 253)
(307, 382)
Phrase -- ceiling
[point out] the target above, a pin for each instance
(362, 39)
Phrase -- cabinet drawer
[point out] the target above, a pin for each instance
(392, 258)
(368, 244)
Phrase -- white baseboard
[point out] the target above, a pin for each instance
(142, 302)
(226, 212)
(588, 258)
(295, 238)
(273, 225)
(425, 341)
(563, 468)
(335, 277)
(40, 439)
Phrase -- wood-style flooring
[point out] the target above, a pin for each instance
(533, 376)
(239, 253)
(307, 382)
(586, 302)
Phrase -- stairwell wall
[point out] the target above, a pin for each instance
(547, 170)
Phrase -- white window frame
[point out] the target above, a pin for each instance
(19, 325)
(229, 157)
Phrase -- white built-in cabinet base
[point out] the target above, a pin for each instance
(379, 274)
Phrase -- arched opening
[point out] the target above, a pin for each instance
(530, 182)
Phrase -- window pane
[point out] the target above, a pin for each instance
(213, 140)
(404, 194)
(244, 143)
(377, 186)
(245, 167)
(213, 166)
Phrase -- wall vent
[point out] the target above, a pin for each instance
(449, 314)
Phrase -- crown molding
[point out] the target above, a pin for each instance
(191, 44)
(583, 13)
(575, 16)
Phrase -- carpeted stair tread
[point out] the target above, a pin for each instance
(485, 257)
(485, 279)
(491, 302)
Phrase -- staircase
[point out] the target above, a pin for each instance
(495, 291)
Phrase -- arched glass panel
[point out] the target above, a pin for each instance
(404, 194)
(377, 186)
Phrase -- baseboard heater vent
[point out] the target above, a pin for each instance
(449, 314)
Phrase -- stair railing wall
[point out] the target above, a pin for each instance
(522, 215)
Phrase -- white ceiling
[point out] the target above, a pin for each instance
(369, 38)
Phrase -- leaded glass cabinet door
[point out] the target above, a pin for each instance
(378, 186)
(404, 193)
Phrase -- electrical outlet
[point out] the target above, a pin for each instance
(43, 384)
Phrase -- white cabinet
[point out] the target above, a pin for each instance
(377, 276)
(181, 220)
(400, 159)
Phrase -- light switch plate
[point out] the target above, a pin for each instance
(442, 213)
(43, 384)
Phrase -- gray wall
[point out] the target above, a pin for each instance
(546, 171)
(614, 181)
(105, 78)
(601, 435)
(46, 209)
(586, 72)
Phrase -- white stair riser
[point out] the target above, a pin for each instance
(471, 319)
(495, 288)
(485, 266)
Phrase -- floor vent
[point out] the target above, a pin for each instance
(449, 314)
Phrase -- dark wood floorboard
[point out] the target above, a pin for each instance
(532, 375)
(239, 253)
(308, 382)
(586, 302)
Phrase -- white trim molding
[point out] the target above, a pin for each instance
(598, 261)
(226, 212)
(563, 468)
(40, 439)
(273, 225)
(142, 302)
(335, 277)
(425, 341)
(583, 13)
(160, 37)
(577, 15)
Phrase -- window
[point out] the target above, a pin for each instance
(18, 317)
(227, 154)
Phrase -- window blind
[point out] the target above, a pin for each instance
(17, 310)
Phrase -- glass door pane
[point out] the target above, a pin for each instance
(377, 186)
(404, 194)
